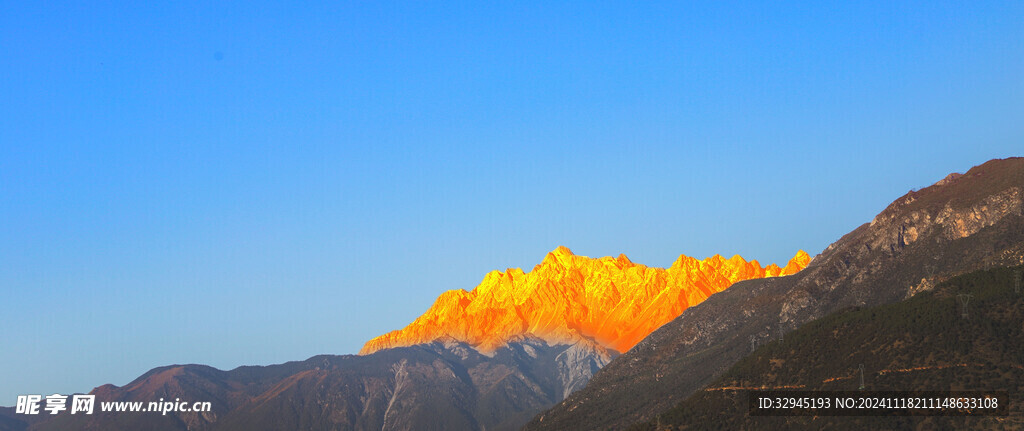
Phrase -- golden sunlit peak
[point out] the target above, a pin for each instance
(612, 301)
(561, 255)
(798, 262)
(562, 251)
(622, 259)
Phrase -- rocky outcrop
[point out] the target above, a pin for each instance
(567, 299)
(578, 363)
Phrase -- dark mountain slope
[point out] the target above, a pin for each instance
(958, 225)
(922, 343)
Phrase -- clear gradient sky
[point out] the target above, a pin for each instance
(252, 183)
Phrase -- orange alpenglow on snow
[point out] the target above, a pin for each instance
(567, 298)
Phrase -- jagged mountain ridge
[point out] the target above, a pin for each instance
(960, 224)
(567, 297)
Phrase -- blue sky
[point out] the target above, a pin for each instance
(251, 183)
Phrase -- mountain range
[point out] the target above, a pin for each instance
(486, 359)
(446, 384)
(541, 347)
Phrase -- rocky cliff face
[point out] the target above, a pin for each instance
(957, 225)
(569, 298)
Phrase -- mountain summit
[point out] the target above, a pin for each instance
(568, 298)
